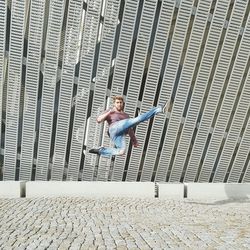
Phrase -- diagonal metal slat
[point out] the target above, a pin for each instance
(103, 172)
(31, 87)
(122, 60)
(150, 88)
(104, 163)
(230, 97)
(136, 76)
(66, 87)
(101, 81)
(207, 61)
(17, 29)
(247, 174)
(242, 154)
(84, 84)
(187, 75)
(172, 69)
(137, 69)
(56, 12)
(3, 62)
(219, 79)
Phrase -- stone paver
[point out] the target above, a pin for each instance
(78, 223)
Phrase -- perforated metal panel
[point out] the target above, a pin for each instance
(90, 30)
(185, 88)
(235, 83)
(3, 63)
(55, 18)
(153, 79)
(17, 26)
(66, 87)
(100, 84)
(137, 71)
(202, 85)
(171, 73)
(223, 71)
(121, 64)
(61, 62)
(31, 88)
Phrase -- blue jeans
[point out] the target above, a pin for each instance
(118, 131)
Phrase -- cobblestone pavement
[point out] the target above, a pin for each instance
(112, 223)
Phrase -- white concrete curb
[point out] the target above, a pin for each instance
(12, 189)
(218, 190)
(90, 189)
(17, 189)
(170, 190)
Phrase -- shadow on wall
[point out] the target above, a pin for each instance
(222, 193)
(237, 192)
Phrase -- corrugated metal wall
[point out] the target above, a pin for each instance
(61, 61)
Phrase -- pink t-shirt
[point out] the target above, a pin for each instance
(115, 117)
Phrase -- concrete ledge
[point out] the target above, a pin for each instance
(218, 190)
(12, 189)
(90, 189)
(170, 190)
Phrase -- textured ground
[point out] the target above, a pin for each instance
(79, 223)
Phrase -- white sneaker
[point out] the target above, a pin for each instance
(166, 106)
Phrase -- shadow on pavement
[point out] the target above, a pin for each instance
(220, 202)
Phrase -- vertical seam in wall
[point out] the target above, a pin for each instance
(185, 190)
